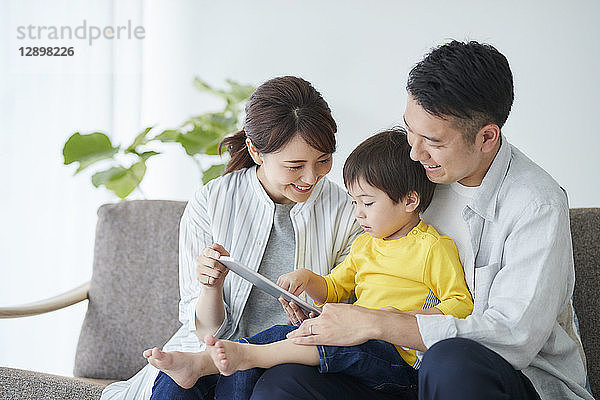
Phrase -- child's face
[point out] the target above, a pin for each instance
(378, 215)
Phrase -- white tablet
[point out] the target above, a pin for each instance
(265, 285)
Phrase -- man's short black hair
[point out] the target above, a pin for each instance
(469, 81)
(383, 161)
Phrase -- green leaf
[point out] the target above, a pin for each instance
(101, 177)
(121, 181)
(214, 171)
(169, 135)
(147, 154)
(235, 95)
(139, 140)
(213, 149)
(239, 92)
(87, 149)
(218, 124)
(205, 87)
(199, 139)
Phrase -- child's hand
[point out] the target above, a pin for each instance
(295, 282)
(294, 313)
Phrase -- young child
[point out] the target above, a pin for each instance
(398, 262)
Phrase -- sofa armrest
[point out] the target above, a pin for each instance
(20, 384)
(63, 300)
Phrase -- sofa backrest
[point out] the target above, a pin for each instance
(134, 292)
(585, 231)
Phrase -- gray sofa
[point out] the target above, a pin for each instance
(135, 279)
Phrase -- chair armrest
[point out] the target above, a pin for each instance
(63, 300)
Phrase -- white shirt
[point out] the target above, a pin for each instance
(236, 212)
(524, 276)
(454, 201)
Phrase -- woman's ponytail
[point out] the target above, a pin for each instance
(236, 146)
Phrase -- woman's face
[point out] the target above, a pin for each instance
(290, 174)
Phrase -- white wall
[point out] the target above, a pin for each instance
(356, 53)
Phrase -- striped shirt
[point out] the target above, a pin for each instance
(236, 212)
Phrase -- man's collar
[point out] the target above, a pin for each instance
(484, 201)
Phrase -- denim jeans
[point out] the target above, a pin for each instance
(234, 387)
(375, 364)
(165, 388)
(463, 369)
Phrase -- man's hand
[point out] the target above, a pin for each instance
(348, 325)
(338, 325)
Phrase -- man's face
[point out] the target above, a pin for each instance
(441, 148)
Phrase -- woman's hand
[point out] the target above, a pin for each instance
(210, 309)
(209, 272)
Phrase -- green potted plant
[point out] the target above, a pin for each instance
(199, 136)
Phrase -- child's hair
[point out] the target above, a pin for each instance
(383, 161)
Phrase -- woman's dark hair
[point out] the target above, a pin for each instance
(278, 110)
(471, 82)
(383, 161)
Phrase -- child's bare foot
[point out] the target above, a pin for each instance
(184, 368)
(229, 357)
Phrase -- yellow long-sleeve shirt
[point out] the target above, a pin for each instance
(418, 271)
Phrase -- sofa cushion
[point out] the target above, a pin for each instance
(17, 384)
(586, 254)
(134, 294)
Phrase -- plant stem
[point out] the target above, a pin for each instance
(139, 189)
(198, 164)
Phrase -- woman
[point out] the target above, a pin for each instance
(273, 210)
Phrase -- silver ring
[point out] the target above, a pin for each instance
(310, 330)
(208, 280)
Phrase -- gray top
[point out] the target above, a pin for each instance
(262, 310)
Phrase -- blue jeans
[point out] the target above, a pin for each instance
(451, 369)
(464, 369)
(234, 387)
(374, 364)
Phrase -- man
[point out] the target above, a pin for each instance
(510, 221)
